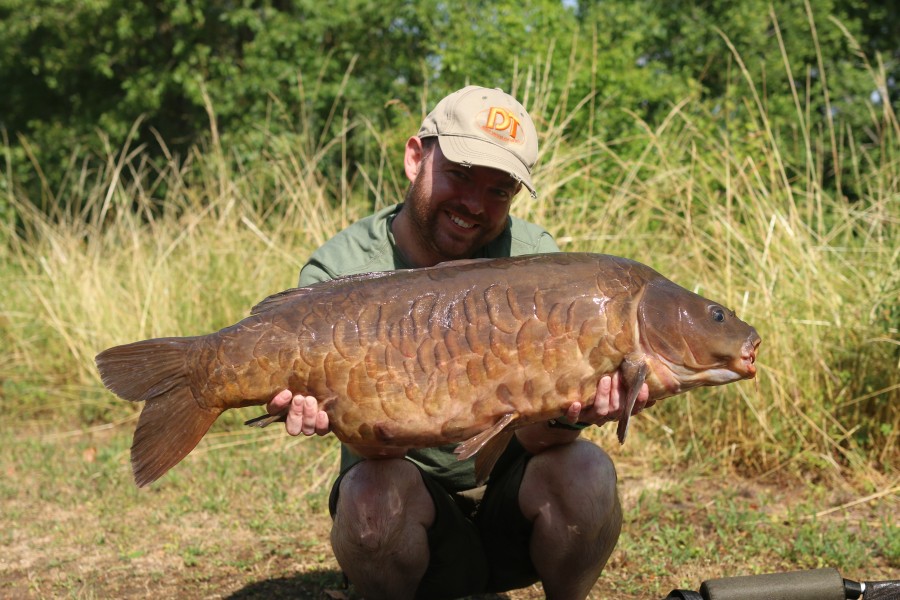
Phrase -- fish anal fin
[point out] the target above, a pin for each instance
(488, 445)
(635, 373)
(490, 454)
(468, 448)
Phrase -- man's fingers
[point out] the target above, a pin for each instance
(617, 392)
(602, 398)
(322, 426)
(294, 421)
(310, 414)
(279, 402)
(303, 414)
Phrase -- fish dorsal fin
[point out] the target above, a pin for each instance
(276, 300)
(461, 261)
(635, 373)
(489, 445)
(293, 294)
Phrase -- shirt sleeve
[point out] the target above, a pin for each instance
(313, 272)
(546, 244)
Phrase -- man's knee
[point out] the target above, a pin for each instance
(379, 498)
(579, 463)
(580, 477)
(379, 536)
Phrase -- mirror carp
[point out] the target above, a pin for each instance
(466, 351)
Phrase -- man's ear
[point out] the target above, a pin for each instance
(413, 157)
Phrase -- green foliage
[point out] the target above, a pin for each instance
(79, 76)
(80, 73)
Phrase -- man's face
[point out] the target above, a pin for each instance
(456, 210)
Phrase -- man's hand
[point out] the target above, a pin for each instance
(608, 406)
(303, 414)
(609, 403)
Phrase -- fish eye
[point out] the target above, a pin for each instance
(718, 314)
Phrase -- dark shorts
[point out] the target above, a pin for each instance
(478, 542)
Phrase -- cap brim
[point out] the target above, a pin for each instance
(469, 150)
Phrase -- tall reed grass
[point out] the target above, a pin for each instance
(128, 249)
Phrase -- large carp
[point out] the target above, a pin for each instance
(465, 351)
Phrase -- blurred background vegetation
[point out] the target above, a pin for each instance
(167, 164)
(78, 76)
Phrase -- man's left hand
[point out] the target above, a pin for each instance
(609, 403)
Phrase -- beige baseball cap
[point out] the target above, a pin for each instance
(485, 127)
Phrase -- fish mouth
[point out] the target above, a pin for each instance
(748, 355)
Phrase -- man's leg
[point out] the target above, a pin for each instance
(380, 528)
(569, 493)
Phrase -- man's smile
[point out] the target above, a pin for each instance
(460, 221)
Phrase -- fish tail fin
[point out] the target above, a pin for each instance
(172, 422)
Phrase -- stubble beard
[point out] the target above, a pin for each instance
(426, 224)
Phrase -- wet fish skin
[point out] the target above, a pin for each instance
(425, 357)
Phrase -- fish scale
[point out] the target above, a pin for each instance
(465, 352)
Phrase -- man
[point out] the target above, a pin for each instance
(417, 526)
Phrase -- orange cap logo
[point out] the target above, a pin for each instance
(503, 124)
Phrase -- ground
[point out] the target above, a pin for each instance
(245, 516)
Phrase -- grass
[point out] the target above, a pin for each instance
(245, 516)
(798, 470)
(77, 531)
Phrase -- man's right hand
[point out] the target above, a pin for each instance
(303, 414)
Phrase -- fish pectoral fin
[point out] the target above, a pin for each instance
(468, 448)
(635, 374)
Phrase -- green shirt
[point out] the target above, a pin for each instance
(369, 246)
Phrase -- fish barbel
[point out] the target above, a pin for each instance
(466, 351)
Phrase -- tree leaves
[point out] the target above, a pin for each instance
(275, 67)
